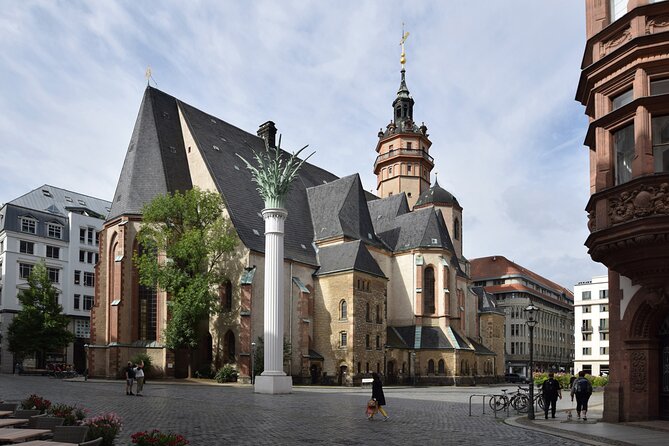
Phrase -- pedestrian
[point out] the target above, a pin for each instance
(377, 395)
(129, 378)
(139, 377)
(551, 391)
(582, 389)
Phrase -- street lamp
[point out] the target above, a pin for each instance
(253, 361)
(413, 358)
(531, 321)
(86, 347)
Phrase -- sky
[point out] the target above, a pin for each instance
(494, 81)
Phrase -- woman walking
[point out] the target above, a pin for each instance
(377, 395)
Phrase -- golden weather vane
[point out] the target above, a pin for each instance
(405, 35)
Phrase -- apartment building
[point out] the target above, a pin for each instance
(61, 228)
(591, 322)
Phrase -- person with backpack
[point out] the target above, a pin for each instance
(551, 391)
(582, 389)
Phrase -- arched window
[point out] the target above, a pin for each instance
(430, 367)
(343, 309)
(441, 367)
(456, 229)
(428, 291)
(229, 347)
(147, 304)
(225, 295)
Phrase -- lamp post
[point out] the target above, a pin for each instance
(86, 347)
(531, 310)
(413, 359)
(253, 363)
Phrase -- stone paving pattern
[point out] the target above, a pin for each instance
(234, 415)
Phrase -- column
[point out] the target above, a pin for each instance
(273, 380)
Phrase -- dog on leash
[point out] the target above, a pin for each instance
(568, 412)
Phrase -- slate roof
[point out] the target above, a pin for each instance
(486, 301)
(339, 209)
(402, 230)
(349, 256)
(155, 162)
(437, 195)
(56, 201)
(432, 338)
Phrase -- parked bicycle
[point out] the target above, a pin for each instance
(518, 401)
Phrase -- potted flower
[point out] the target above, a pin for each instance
(157, 438)
(36, 402)
(106, 426)
(72, 415)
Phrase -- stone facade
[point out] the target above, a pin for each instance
(623, 89)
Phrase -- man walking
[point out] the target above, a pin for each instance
(551, 391)
(129, 378)
(582, 389)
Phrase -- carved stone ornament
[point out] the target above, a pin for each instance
(640, 202)
(615, 41)
(657, 23)
(639, 365)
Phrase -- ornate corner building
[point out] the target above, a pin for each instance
(372, 283)
(624, 86)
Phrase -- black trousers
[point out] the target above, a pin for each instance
(550, 401)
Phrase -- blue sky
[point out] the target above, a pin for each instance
(494, 82)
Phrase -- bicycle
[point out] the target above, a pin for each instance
(519, 401)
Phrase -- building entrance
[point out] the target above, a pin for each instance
(664, 370)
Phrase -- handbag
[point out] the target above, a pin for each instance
(371, 407)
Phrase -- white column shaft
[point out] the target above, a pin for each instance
(273, 295)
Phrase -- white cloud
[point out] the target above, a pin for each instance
(494, 82)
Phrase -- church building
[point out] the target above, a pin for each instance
(373, 283)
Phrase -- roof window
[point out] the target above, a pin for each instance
(213, 121)
(216, 148)
(81, 202)
(68, 199)
(47, 193)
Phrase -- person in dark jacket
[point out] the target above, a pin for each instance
(551, 391)
(377, 395)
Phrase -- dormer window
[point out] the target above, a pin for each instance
(28, 225)
(54, 230)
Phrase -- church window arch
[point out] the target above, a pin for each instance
(225, 295)
(430, 367)
(456, 229)
(441, 367)
(147, 308)
(343, 309)
(428, 291)
(229, 346)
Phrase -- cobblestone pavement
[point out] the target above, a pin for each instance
(234, 415)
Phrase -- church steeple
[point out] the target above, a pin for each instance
(403, 163)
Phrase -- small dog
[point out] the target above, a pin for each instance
(568, 412)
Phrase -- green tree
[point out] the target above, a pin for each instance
(186, 240)
(259, 355)
(40, 326)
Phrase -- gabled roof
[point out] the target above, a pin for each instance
(339, 209)
(56, 201)
(486, 301)
(422, 228)
(155, 163)
(349, 256)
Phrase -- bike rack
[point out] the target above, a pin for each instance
(483, 400)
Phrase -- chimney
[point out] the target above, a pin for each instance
(267, 131)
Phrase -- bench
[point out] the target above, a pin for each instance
(367, 381)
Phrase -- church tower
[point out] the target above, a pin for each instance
(403, 163)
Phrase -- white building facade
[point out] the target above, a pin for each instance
(60, 228)
(591, 317)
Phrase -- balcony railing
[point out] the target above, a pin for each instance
(603, 328)
(404, 152)
(586, 329)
